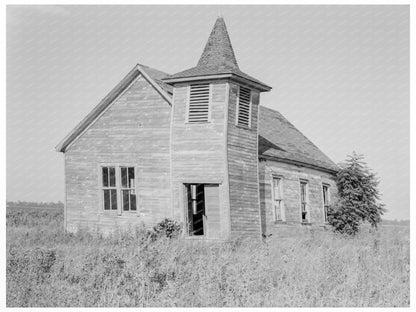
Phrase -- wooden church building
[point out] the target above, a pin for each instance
(196, 147)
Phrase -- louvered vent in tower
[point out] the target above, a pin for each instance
(244, 107)
(198, 110)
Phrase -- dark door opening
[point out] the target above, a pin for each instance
(203, 210)
(196, 209)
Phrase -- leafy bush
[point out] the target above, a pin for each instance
(358, 197)
(168, 228)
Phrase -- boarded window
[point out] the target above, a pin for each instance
(244, 107)
(198, 110)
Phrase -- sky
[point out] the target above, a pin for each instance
(340, 74)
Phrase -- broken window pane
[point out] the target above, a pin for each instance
(131, 177)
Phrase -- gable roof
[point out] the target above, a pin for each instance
(153, 76)
(280, 140)
(218, 58)
(157, 76)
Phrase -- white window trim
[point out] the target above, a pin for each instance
(188, 98)
(282, 203)
(238, 109)
(308, 212)
(119, 189)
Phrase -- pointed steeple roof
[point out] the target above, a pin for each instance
(218, 50)
(217, 61)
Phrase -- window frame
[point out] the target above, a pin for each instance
(328, 203)
(306, 202)
(122, 188)
(188, 100)
(118, 187)
(109, 187)
(282, 202)
(237, 113)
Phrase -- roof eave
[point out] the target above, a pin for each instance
(299, 163)
(172, 81)
(259, 86)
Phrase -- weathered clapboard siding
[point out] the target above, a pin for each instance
(134, 131)
(198, 151)
(242, 168)
(291, 175)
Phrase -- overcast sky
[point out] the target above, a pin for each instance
(340, 74)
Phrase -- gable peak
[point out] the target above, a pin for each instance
(218, 51)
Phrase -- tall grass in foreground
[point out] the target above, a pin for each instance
(47, 268)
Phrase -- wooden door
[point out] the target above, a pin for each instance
(212, 211)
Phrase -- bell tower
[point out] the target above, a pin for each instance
(214, 144)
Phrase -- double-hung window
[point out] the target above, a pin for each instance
(109, 188)
(118, 188)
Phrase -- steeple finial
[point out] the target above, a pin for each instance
(218, 51)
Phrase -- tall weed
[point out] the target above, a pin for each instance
(46, 267)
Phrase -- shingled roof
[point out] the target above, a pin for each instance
(218, 50)
(280, 140)
(218, 58)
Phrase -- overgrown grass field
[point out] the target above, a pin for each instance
(45, 267)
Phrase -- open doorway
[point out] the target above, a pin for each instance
(203, 211)
(196, 209)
